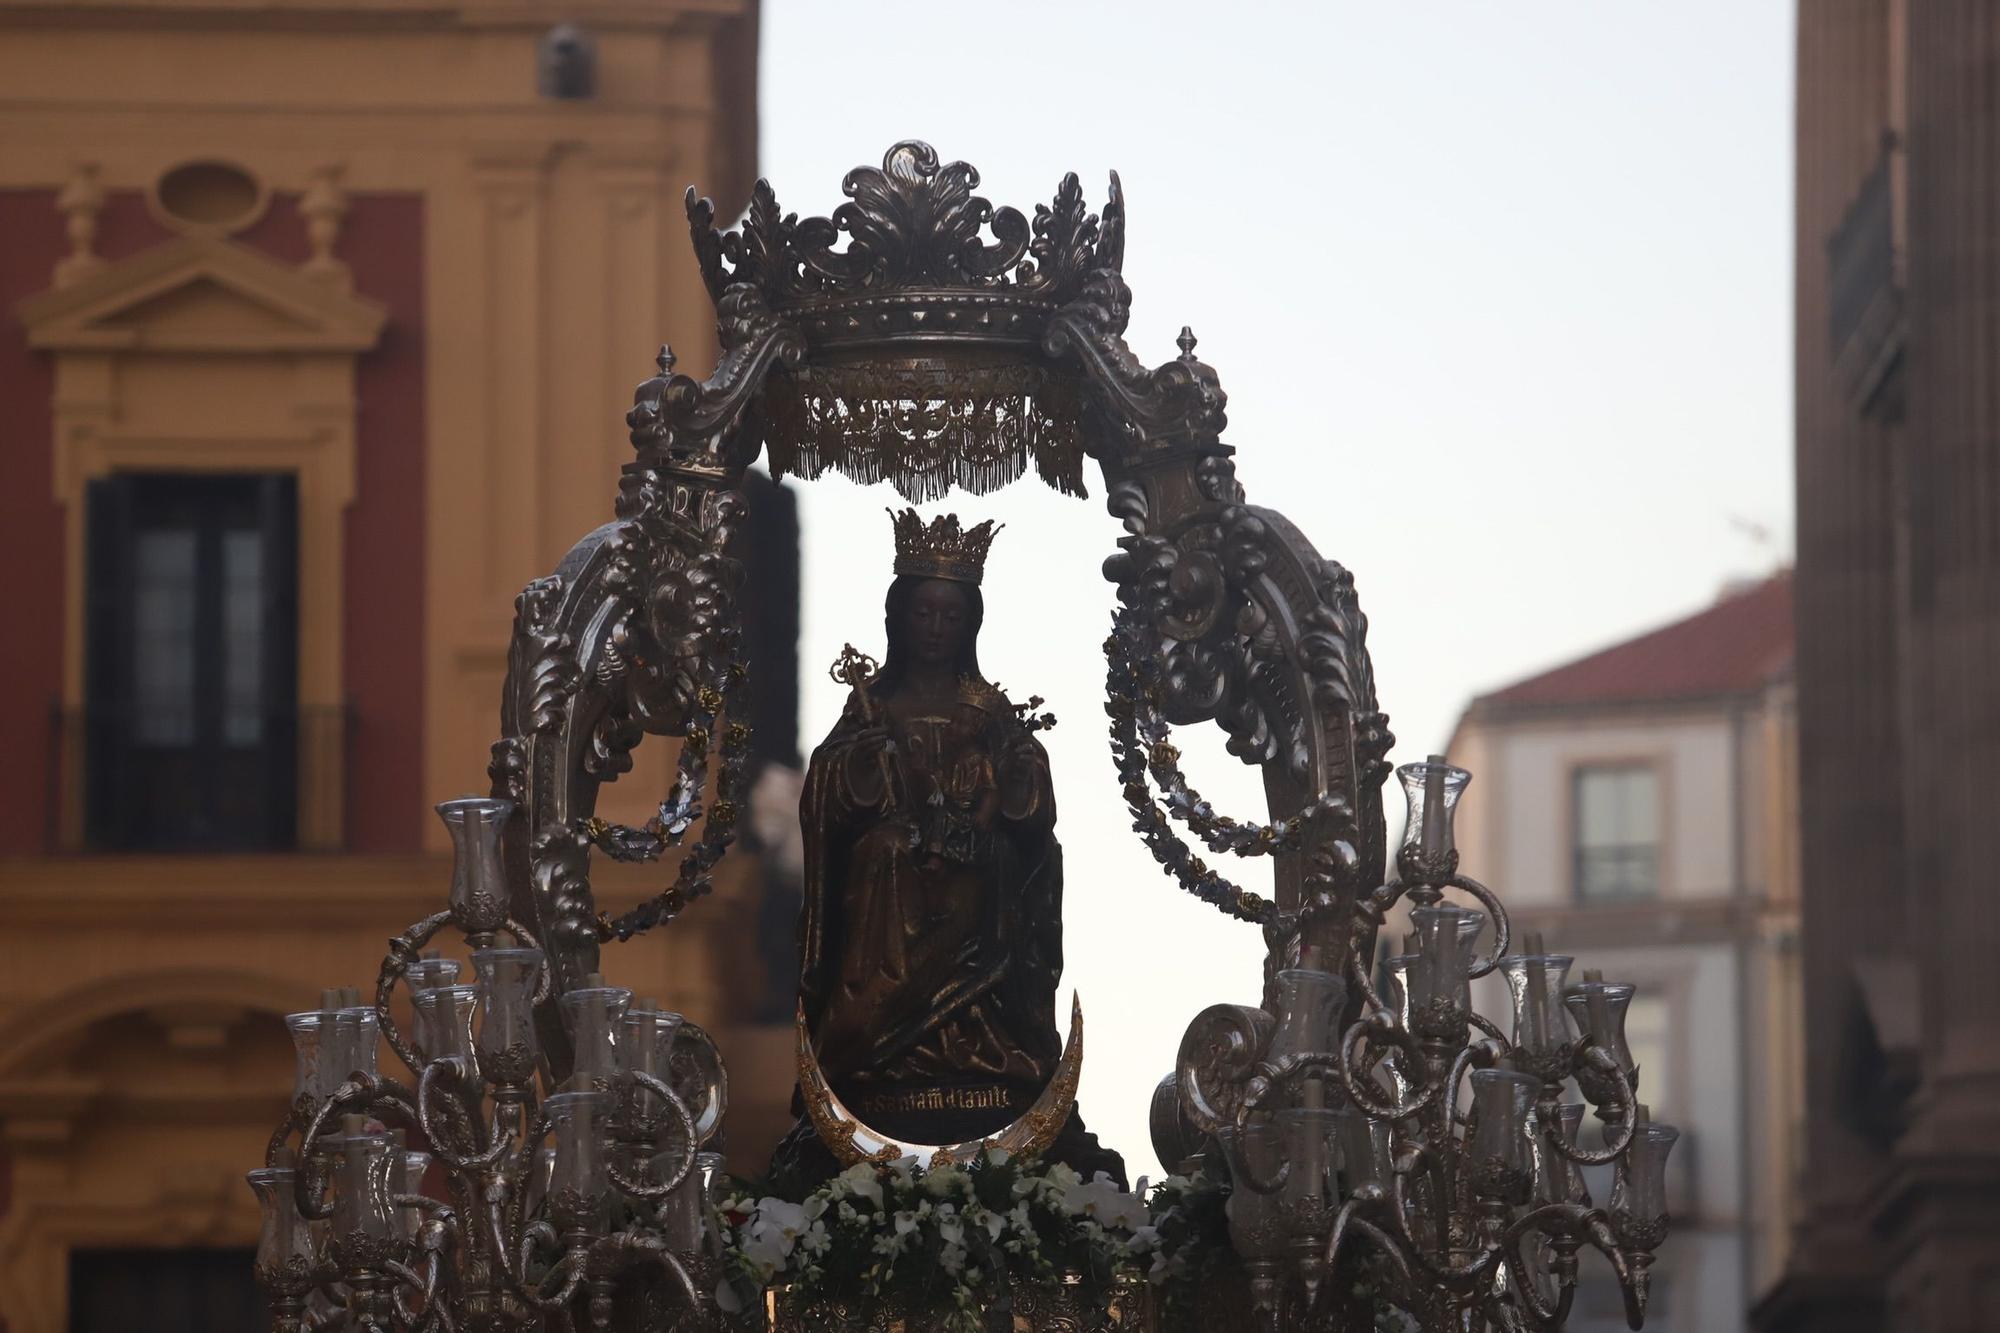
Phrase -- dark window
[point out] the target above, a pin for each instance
(1617, 833)
(190, 724)
(164, 1291)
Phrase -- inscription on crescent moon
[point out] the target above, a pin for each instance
(851, 1140)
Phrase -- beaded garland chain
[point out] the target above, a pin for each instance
(1141, 745)
(695, 875)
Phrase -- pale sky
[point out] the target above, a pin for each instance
(1500, 294)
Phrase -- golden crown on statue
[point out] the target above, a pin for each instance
(942, 550)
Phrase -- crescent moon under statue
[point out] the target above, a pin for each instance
(851, 1140)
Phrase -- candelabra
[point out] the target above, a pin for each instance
(528, 1210)
(1474, 1206)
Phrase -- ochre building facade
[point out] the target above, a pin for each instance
(316, 324)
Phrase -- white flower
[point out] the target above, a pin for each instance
(726, 1298)
(777, 1226)
(1103, 1202)
(944, 1181)
(951, 1231)
(953, 1258)
(860, 1181)
(765, 1251)
(906, 1223)
(994, 1224)
(1127, 1211)
(998, 1156)
(1080, 1200)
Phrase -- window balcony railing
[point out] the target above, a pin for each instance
(266, 782)
(1865, 328)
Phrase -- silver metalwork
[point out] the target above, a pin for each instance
(951, 343)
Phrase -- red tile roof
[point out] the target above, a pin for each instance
(1736, 646)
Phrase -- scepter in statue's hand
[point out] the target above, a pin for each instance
(857, 670)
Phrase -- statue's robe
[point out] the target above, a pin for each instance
(916, 974)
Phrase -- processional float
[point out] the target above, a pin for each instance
(1362, 1118)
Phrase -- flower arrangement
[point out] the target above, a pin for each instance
(952, 1239)
(949, 1238)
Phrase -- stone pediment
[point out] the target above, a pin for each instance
(201, 294)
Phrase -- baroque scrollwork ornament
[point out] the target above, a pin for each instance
(1393, 1158)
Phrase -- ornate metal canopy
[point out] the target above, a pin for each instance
(927, 352)
(949, 343)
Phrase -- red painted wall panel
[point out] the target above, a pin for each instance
(382, 240)
(31, 525)
(382, 622)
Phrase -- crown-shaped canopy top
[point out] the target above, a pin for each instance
(916, 267)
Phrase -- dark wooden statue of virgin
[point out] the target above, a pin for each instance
(930, 939)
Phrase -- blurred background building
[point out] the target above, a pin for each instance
(316, 325)
(1640, 806)
(1898, 608)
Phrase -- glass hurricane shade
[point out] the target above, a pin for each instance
(478, 871)
(1503, 1164)
(414, 1166)
(681, 1211)
(1441, 975)
(646, 1046)
(1256, 1230)
(1309, 1003)
(505, 1044)
(444, 1017)
(1311, 1139)
(430, 972)
(1559, 1180)
(579, 1199)
(329, 1045)
(1638, 1204)
(537, 1186)
(591, 1015)
(367, 1172)
(1598, 1007)
(1431, 790)
(305, 1032)
(1364, 1150)
(284, 1240)
(1535, 981)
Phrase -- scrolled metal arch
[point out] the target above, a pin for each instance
(573, 698)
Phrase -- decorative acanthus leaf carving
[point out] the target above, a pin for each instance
(541, 656)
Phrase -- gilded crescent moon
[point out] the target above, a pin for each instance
(852, 1141)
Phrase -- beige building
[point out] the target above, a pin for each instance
(317, 323)
(1640, 807)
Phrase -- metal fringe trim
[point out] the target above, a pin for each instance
(927, 430)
